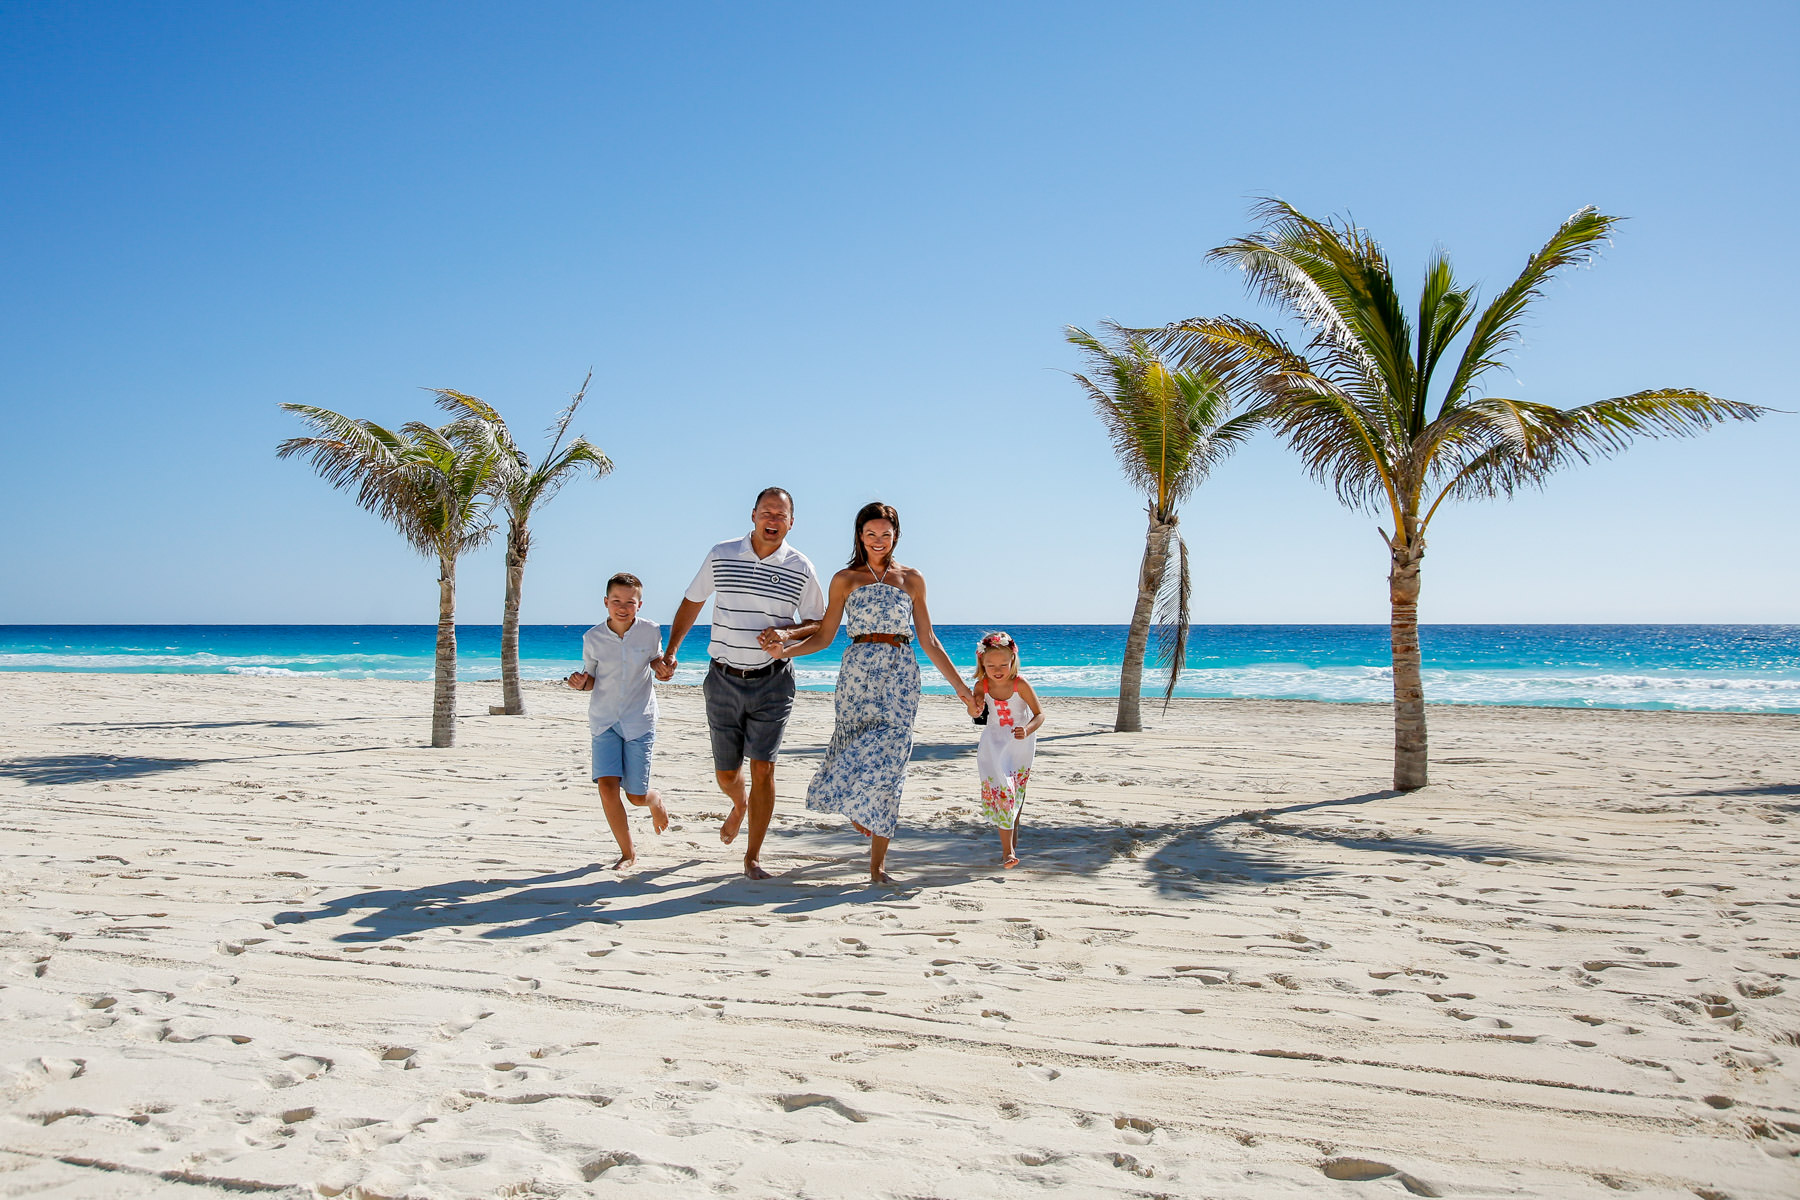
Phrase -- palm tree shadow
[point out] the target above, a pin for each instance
(1210, 851)
(47, 769)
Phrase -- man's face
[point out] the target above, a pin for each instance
(623, 602)
(773, 517)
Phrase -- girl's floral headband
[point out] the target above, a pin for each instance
(990, 640)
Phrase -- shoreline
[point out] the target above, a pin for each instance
(1148, 703)
(261, 934)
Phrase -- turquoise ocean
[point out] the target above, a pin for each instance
(1707, 668)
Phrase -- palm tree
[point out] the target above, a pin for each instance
(1357, 404)
(1168, 427)
(520, 488)
(429, 483)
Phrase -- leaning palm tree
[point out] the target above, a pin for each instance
(1358, 406)
(1169, 428)
(429, 483)
(520, 487)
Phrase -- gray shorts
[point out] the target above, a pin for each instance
(747, 716)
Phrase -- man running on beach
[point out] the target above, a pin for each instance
(762, 585)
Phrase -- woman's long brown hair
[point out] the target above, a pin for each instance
(874, 510)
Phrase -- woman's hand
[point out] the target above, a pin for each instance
(973, 703)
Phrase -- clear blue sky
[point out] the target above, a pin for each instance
(833, 247)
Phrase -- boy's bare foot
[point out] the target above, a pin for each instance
(729, 830)
(880, 877)
(625, 861)
(860, 829)
(753, 870)
(659, 813)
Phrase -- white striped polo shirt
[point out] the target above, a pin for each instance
(752, 595)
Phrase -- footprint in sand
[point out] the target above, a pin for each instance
(1362, 1170)
(798, 1101)
(1136, 1131)
(402, 1055)
(296, 1069)
(520, 984)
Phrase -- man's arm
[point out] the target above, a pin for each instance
(683, 621)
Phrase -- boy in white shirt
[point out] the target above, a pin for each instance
(618, 659)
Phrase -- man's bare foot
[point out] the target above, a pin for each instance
(625, 861)
(860, 829)
(753, 870)
(880, 877)
(659, 813)
(729, 830)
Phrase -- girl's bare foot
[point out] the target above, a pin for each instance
(625, 861)
(659, 814)
(1010, 861)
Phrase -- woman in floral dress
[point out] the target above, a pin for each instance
(878, 684)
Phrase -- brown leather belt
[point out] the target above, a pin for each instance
(886, 639)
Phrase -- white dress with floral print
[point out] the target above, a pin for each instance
(1005, 760)
(877, 699)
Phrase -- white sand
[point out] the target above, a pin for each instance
(257, 937)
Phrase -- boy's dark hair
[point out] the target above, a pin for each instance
(774, 491)
(624, 579)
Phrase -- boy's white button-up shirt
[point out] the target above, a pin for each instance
(624, 688)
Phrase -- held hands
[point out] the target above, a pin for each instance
(772, 643)
(663, 667)
(973, 703)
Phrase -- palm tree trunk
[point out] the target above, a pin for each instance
(1137, 641)
(443, 701)
(511, 697)
(1410, 767)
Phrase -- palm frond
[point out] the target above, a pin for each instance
(426, 481)
(1444, 311)
(1170, 621)
(1500, 446)
(1574, 243)
(1336, 281)
(1168, 425)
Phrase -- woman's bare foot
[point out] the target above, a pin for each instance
(860, 829)
(625, 861)
(659, 813)
(729, 830)
(753, 870)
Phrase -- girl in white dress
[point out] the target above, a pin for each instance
(1008, 740)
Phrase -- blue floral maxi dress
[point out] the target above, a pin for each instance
(877, 699)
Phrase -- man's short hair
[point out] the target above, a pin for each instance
(774, 491)
(624, 579)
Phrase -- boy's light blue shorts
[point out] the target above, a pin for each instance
(617, 758)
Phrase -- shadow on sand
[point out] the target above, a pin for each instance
(820, 868)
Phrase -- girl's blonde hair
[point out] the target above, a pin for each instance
(995, 641)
